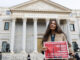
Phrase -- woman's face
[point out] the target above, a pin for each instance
(53, 25)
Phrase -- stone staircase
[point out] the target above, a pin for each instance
(22, 56)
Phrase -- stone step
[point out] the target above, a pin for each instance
(21, 56)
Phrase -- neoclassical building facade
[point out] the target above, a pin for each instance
(22, 26)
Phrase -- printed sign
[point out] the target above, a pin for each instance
(56, 50)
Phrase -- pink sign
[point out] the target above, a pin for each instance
(56, 50)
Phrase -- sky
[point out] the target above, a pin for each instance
(72, 4)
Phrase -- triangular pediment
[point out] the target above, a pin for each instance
(40, 5)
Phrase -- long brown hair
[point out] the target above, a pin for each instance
(48, 31)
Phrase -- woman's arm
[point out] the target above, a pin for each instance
(65, 39)
(69, 45)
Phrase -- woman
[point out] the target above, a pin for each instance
(54, 33)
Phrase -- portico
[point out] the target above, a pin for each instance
(24, 28)
(23, 36)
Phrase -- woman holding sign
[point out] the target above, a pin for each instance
(54, 34)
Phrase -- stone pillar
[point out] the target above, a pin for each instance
(58, 21)
(78, 28)
(12, 35)
(24, 36)
(69, 32)
(47, 22)
(35, 35)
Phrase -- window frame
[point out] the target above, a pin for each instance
(75, 44)
(5, 46)
(8, 12)
(72, 27)
(5, 27)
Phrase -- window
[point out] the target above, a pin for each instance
(6, 26)
(5, 47)
(62, 22)
(4, 43)
(8, 12)
(75, 46)
(72, 27)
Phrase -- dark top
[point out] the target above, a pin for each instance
(52, 37)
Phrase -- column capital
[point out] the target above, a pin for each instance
(57, 18)
(24, 19)
(13, 18)
(35, 19)
(47, 18)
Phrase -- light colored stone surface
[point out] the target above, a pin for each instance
(22, 56)
(36, 56)
(32, 10)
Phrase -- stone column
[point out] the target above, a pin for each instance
(12, 35)
(35, 35)
(78, 32)
(69, 32)
(58, 21)
(47, 22)
(24, 36)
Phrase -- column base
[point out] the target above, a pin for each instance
(12, 52)
(37, 54)
(35, 51)
(24, 52)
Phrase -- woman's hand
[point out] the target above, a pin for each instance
(71, 51)
(44, 48)
(71, 54)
